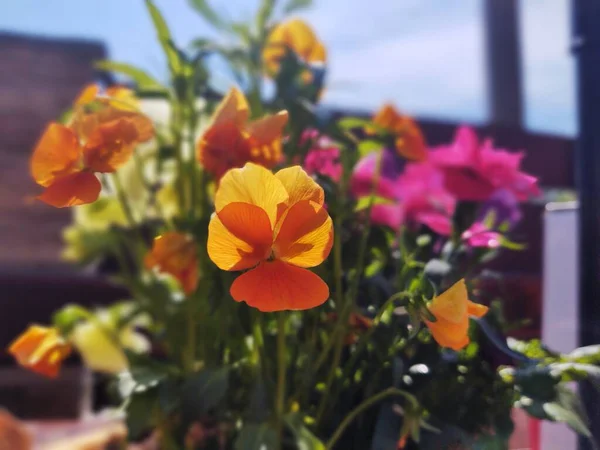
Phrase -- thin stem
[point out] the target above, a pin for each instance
(390, 392)
(281, 369)
(191, 335)
(123, 200)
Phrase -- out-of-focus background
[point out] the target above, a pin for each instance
(503, 66)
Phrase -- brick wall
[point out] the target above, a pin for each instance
(40, 77)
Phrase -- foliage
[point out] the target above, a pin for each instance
(399, 230)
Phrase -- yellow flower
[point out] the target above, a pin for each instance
(41, 350)
(101, 345)
(452, 309)
(276, 226)
(297, 36)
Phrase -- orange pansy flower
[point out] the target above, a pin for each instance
(297, 36)
(175, 254)
(409, 140)
(452, 309)
(41, 350)
(65, 158)
(276, 226)
(231, 140)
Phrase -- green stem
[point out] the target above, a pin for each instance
(281, 369)
(123, 200)
(390, 392)
(191, 335)
(339, 333)
(177, 133)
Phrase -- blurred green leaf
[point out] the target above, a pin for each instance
(365, 202)
(368, 146)
(296, 5)
(209, 14)
(204, 390)
(349, 123)
(265, 12)
(256, 437)
(165, 39)
(589, 354)
(140, 409)
(143, 80)
(507, 243)
(305, 440)
(568, 409)
(68, 316)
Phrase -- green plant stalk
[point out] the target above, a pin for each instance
(281, 369)
(177, 134)
(342, 323)
(123, 200)
(390, 392)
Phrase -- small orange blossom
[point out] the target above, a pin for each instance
(452, 309)
(231, 140)
(294, 35)
(409, 139)
(175, 254)
(41, 350)
(65, 158)
(276, 226)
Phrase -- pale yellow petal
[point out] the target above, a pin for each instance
(300, 186)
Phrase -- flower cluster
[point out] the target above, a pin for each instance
(295, 270)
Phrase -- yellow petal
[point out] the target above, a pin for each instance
(255, 185)
(99, 349)
(318, 54)
(300, 186)
(239, 236)
(300, 37)
(305, 236)
(233, 108)
(451, 305)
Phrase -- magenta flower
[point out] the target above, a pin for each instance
(474, 170)
(417, 196)
(500, 213)
(323, 158)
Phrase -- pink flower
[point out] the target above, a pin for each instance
(323, 158)
(474, 170)
(417, 196)
(479, 235)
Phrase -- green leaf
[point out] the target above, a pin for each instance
(256, 437)
(349, 123)
(588, 354)
(371, 200)
(568, 409)
(368, 146)
(209, 14)
(165, 39)
(143, 80)
(204, 390)
(305, 440)
(264, 14)
(296, 5)
(507, 243)
(140, 410)
(67, 317)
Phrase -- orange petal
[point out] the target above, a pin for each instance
(300, 186)
(449, 334)
(387, 117)
(111, 145)
(451, 305)
(305, 235)
(88, 94)
(41, 350)
(72, 190)
(476, 310)
(278, 286)
(175, 253)
(223, 147)
(57, 154)
(239, 236)
(252, 184)
(265, 139)
(410, 142)
(233, 108)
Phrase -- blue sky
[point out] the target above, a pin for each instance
(424, 55)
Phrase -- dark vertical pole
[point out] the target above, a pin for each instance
(586, 47)
(501, 27)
